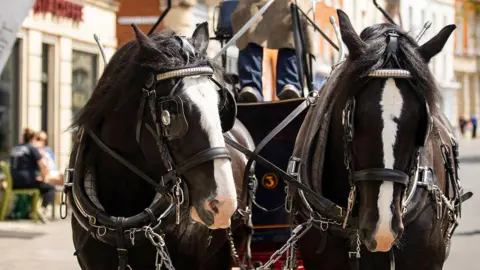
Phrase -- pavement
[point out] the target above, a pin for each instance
(465, 250)
(25, 245)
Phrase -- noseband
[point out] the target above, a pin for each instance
(379, 174)
(163, 120)
(121, 232)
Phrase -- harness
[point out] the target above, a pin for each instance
(169, 123)
(325, 214)
(422, 176)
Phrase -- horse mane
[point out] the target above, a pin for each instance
(127, 71)
(409, 59)
(121, 84)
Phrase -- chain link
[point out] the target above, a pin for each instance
(356, 253)
(179, 199)
(162, 257)
(297, 233)
(351, 201)
(233, 250)
(324, 222)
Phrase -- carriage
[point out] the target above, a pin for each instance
(272, 173)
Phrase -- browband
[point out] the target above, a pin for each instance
(185, 72)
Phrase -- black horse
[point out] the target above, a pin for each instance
(151, 142)
(375, 144)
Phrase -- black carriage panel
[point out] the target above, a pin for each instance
(260, 119)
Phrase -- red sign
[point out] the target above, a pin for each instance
(59, 8)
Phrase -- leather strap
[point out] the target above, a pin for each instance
(197, 159)
(141, 112)
(327, 207)
(153, 220)
(122, 252)
(202, 157)
(381, 174)
(304, 105)
(158, 187)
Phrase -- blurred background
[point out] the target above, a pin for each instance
(51, 64)
(54, 63)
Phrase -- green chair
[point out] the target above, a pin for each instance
(9, 192)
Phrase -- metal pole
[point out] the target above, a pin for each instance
(102, 51)
(164, 13)
(424, 29)
(339, 39)
(244, 28)
(384, 12)
(318, 29)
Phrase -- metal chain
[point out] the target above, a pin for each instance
(359, 243)
(347, 122)
(445, 200)
(351, 201)
(233, 250)
(324, 222)
(356, 253)
(297, 233)
(179, 199)
(162, 257)
(291, 262)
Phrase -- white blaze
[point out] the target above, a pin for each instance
(204, 95)
(392, 103)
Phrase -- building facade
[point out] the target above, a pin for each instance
(52, 70)
(326, 54)
(440, 13)
(467, 57)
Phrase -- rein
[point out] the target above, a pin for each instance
(125, 232)
(326, 212)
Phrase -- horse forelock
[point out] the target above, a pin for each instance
(128, 69)
(374, 57)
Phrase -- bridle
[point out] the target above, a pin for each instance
(381, 174)
(169, 123)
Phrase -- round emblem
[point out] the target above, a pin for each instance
(165, 117)
(270, 180)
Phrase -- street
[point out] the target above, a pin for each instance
(465, 253)
(25, 245)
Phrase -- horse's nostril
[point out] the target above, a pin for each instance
(213, 205)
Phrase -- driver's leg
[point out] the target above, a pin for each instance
(250, 73)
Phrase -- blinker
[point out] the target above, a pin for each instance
(166, 119)
(172, 117)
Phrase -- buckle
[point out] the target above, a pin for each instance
(340, 210)
(354, 255)
(68, 176)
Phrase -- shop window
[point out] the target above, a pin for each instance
(45, 79)
(84, 79)
(9, 103)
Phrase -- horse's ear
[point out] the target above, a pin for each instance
(352, 40)
(147, 46)
(201, 38)
(435, 45)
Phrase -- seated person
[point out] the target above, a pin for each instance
(25, 162)
(274, 31)
(54, 176)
